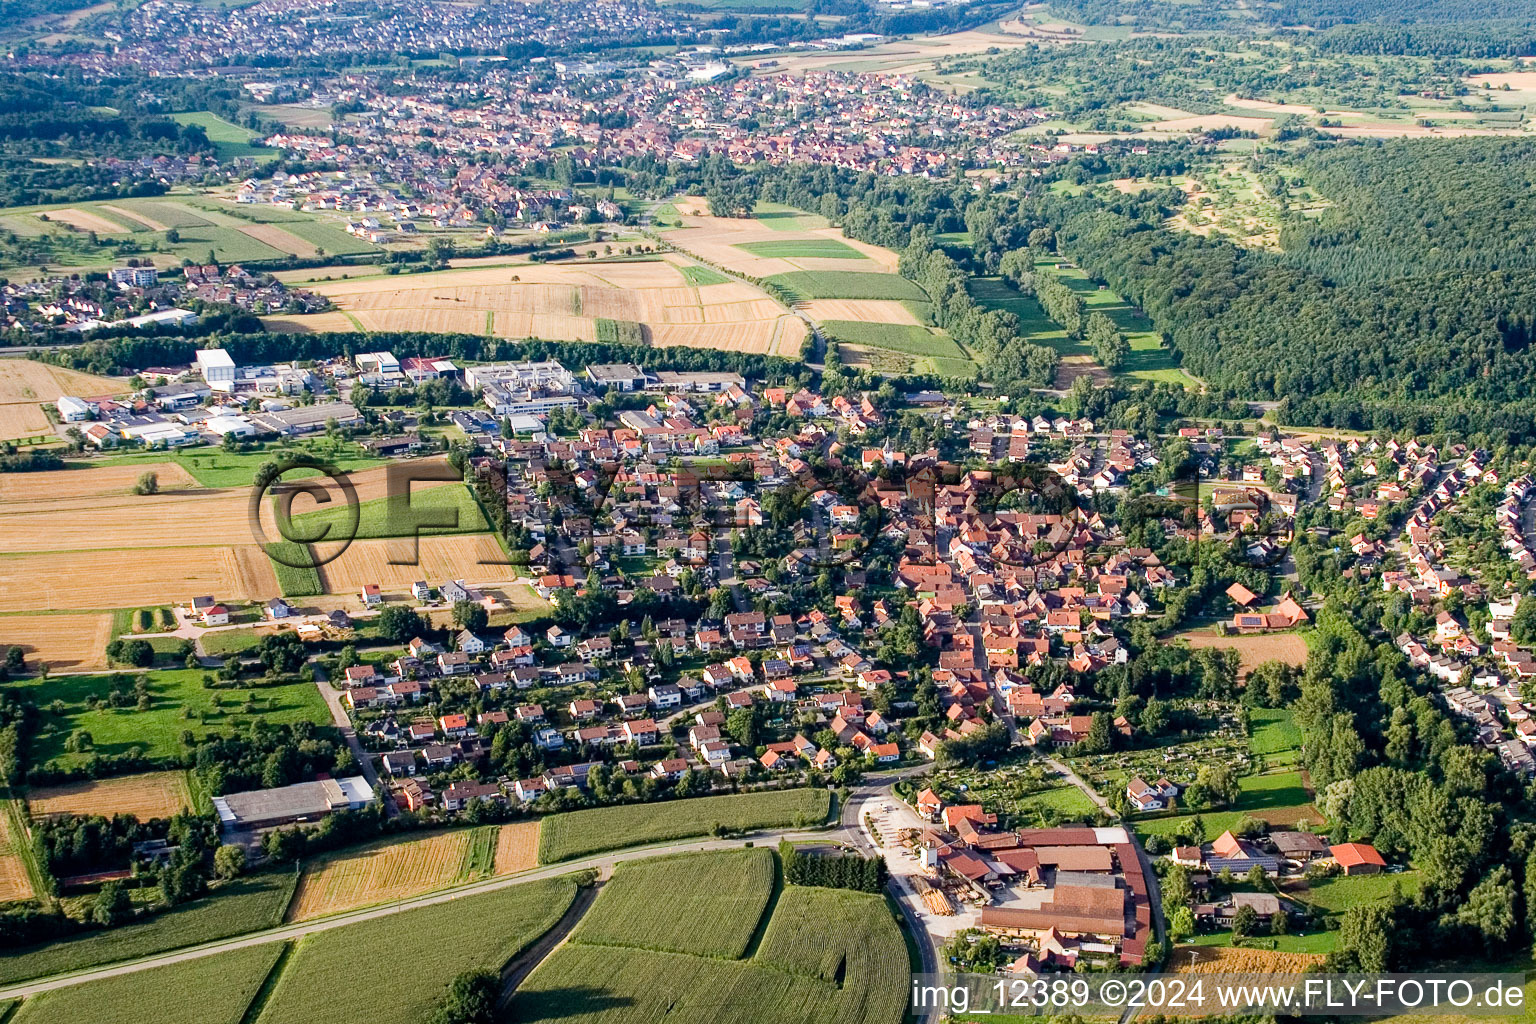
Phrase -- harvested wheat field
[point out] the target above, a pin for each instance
(1228, 960)
(1255, 650)
(566, 301)
(173, 519)
(129, 578)
(26, 380)
(277, 238)
(50, 488)
(869, 311)
(14, 883)
(19, 421)
(388, 872)
(151, 795)
(85, 221)
(25, 384)
(102, 513)
(717, 240)
(517, 847)
(310, 323)
(67, 642)
(475, 557)
(1208, 122)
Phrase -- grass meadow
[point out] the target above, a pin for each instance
(580, 833)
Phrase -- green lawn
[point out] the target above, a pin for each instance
(1148, 358)
(580, 833)
(1275, 736)
(1037, 328)
(230, 641)
(699, 276)
(208, 990)
(803, 285)
(715, 901)
(157, 732)
(428, 947)
(383, 517)
(907, 339)
(229, 140)
(1341, 892)
(246, 905)
(1278, 797)
(213, 468)
(787, 218)
(827, 956)
(809, 248)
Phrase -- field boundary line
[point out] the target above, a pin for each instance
(523, 963)
(258, 1001)
(18, 821)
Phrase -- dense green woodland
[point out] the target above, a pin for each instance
(1195, 74)
(1500, 28)
(1443, 349)
(1413, 206)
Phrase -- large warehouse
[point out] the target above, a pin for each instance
(303, 801)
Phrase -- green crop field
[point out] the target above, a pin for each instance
(945, 367)
(329, 237)
(809, 248)
(845, 284)
(246, 905)
(787, 218)
(291, 564)
(428, 946)
(700, 276)
(907, 339)
(578, 833)
(169, 212)
(156, 732)
(1280, 798)
(383, 517)
(228, 245)
(230, 140)
(827, 957)
(208, 990)
(714, 901)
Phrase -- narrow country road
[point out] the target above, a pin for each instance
(846, 831)
(343, 724)
(602, 863)
(526, 962)
(1061, 768)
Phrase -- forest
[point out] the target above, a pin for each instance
(1413, 206)
(1443, 350)
(1195, 74)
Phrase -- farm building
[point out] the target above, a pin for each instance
(1358, 858)
(303, 801)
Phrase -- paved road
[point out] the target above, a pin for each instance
(603, 863)
(905, 898)
(343, 724)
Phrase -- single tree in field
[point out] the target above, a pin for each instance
(149, 483)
